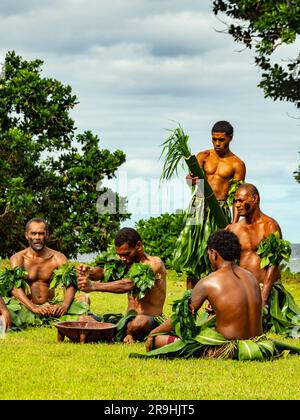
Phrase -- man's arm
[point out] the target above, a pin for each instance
(118, 286)
(166, 327)
(199, 295)
(239, 175)
(272, 272)
(94, 273)
(272, 275)
(60, 310)
(5, 314)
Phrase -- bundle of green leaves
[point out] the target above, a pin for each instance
(143, 278)
(233, 186)
(273, 250)
(10, 278)
(183, 320)
(114, 268)
(64, 276)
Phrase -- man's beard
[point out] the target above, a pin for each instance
(37, 246)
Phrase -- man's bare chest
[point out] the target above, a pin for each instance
(219, 167)
(250, 238)
(39, 270)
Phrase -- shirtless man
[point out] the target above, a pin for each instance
(40, 262)
(129, 248)
(255, 227)
(232, 291)
(4, 315)
(220, 166)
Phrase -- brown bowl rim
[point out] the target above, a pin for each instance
(60, 325)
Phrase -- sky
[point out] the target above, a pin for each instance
(139, 67)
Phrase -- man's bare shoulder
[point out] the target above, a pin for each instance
(246, 274)
(235, 227)
(156, 264)
(236, 159)
(238, 162)
(270, 225)
(203, 155)
(208, 281)
(59, 257)
(18, 258)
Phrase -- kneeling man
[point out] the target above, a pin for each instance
(129, 248)
(233, 294)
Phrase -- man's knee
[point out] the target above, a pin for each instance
(83, 298)
(140, 325)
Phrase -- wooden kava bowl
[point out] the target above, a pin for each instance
(85, 331)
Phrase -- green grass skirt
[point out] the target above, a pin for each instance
(190, 254)
(208, 343)
(283, 315)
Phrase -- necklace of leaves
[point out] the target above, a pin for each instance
(114, 269)
(64, 276)
(273, 250)
(10, 278)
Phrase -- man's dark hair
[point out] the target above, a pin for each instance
(127, 235)
(222, 127)
(226, 244)
(37, 220)
(251, 189)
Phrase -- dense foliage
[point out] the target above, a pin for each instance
(159, 234)
(48, 171)
(265, 25)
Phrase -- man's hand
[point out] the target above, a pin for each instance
(209, 309)
(149, 343)
(6, 318)
(84, 284)
(43, 310)
(83, 270)
(58, 310)
(192, 180)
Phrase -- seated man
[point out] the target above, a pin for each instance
(252, 230)
(40, 262)
(232, 292)
(4, 314)
(129, 248)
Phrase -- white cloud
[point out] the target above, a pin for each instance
(136, 65)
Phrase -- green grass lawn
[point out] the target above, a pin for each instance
(35, 366)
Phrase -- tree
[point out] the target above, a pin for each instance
(48, 171)
(267, 24)
(159, 234)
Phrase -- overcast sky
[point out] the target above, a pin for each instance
(137, 66)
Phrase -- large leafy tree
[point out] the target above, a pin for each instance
(46, 169)
(159, 234)
(265, 25)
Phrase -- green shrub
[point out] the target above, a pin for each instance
(159, 234)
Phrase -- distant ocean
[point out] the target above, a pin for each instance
(294, 263)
